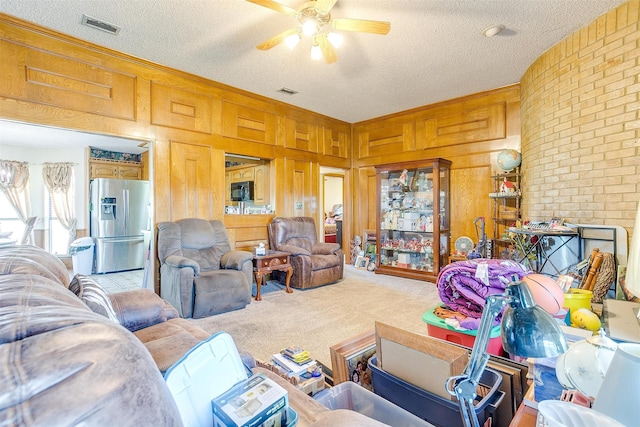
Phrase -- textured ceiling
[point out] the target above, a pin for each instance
(434, 51)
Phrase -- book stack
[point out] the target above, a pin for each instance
(294, 365)
(300, 368)
(296, 354)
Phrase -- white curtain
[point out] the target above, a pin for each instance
(14, 182)
(58, 178)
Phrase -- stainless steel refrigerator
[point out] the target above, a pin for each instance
(120, 211)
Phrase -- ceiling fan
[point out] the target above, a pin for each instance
(315, 21)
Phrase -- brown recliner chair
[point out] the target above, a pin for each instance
(199, 274)
(314, 263)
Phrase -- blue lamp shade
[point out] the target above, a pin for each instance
(527, 329)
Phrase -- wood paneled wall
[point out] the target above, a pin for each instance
(469, 131)
(56, 80)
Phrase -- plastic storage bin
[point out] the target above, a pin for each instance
(349, 395)
(438, 328)
(204, 373)
(437, 410)
(81, 251)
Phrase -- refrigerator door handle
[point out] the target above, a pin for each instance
(111, 240)
(125, 196)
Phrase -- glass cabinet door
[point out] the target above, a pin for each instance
(413, 218)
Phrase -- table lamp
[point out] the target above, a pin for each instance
(619, 393)
(527, 331)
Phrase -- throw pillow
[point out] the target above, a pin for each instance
(92, 294)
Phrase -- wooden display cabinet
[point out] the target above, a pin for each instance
(413, 219)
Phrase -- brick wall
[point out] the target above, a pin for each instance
(581, 124)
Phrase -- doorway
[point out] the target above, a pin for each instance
(37, 144)
(332, 204)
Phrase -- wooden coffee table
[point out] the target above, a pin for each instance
(271, 261)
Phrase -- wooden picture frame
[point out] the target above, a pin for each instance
(346, 355)
(362, 262)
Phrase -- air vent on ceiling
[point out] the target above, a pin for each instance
(287, 91)
(100, 25)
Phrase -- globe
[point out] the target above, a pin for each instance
(509, 159)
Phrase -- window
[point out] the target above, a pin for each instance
(56, 236)
(10, 223)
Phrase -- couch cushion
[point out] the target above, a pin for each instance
(34, 291)
(204, 241)
(168, 342)
(320, 262)
(301, 242)
(93, 295)
(26, 259)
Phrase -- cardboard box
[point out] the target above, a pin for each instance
(400, 351)
(255, 402)
(312, 385)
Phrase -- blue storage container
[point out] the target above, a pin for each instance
(430, 407)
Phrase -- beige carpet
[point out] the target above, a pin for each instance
(316, 319)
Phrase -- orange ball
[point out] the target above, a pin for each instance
(546, 292)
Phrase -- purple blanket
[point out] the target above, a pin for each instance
(462, 287)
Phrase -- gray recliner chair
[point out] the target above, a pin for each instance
(314, 263)
(199, 274)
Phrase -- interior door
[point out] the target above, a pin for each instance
(191, 181)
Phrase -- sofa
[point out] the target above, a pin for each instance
(68, 359)
(314, 263)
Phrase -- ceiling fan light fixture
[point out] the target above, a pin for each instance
(316, 52)
(309, 27)
(292, 40)
(335, 39)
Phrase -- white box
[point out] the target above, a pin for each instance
(257, 401)
(411, 215)
(404, 258)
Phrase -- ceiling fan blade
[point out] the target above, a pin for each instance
(362, 25)
(327, 49)
(276, 40)
(325, 6)
(274, 5)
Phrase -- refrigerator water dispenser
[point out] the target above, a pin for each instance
(108, 208)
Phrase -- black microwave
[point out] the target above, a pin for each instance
(242, 191)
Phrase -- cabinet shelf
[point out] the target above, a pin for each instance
(402, 250)
(413, 214)
(507, 199)
(504, 196)
(407, 231)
